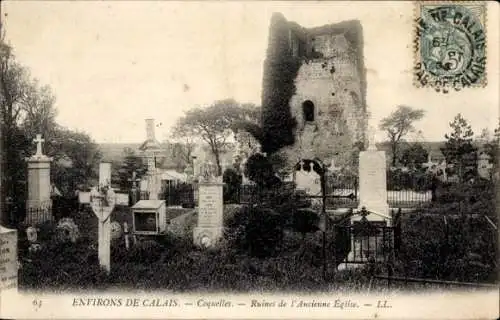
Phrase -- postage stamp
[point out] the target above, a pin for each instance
(450, 45)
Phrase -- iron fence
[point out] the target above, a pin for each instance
(39, 214)
(342, 191)
(409, 189)
(182, 194)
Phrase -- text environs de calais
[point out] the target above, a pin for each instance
(450, 46)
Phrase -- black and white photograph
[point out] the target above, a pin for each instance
(249, 159)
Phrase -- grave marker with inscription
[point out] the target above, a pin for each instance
(8, 260)
(209, 229)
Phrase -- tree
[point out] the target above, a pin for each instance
(397, 125)
(25, 107)
(39, 113)
(80, 150)
(414, 156)
(131, 163)
(213, 124)
(181, 151)
(459, 149)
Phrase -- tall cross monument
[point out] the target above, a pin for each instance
(39, 203)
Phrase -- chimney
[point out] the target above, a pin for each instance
(150, 129)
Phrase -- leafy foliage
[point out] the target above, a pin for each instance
(414, 156)
(182, 152)
(125, 170)
(213, 124)
(232, 180)
(281, 69)
(459, 149)
(416, 180)
(260, 170)
(452, 239)
(82, 153)
(27, 108)
(398, 124)
(462, 249)
(255, 230)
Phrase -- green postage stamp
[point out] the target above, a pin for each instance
(450, 45)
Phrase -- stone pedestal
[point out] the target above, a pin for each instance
(209, 229)
(373, 185)
(39, 203)
(8, 260)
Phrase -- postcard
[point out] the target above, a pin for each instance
(249, 159)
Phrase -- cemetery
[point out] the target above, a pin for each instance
(336, 216)
(277, 239)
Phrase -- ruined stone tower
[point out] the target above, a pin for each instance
(314, 91)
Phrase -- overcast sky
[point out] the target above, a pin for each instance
(111, 64)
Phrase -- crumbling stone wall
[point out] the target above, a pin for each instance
(328, 76)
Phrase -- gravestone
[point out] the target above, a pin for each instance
(373, 183)
(484, 166)
(308, 180)
(209, 229)
(8, 260)
(39, 203)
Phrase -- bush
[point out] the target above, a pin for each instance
(462, 249)
(232, 180)
(256, 231)
(62, 265)
(144, 252)
(260, 170)
(478, 190)
(46, 231)
(411, 180)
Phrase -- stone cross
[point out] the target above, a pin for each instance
(103, 203)
(429, 162)
(302, 164)
(134, 179)
(39, 141)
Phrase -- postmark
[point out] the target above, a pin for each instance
(450, 45)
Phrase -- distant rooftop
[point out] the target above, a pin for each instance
(148, 204)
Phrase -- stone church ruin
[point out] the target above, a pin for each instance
(314, 92)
